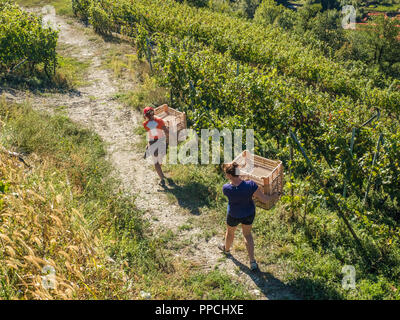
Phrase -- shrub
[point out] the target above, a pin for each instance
(24, 42)
(81, 9)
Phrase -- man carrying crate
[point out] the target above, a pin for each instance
(157, 135)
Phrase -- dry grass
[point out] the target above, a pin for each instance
(41, 227)
(49, 214)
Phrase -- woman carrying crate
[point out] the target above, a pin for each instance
(157, 134)
(241, 209)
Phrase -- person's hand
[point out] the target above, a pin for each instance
(275, 196)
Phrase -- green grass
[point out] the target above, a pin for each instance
(215, 286)
(185, 227)
(63, 7)
(197, 189)
(73, 71)
(127, 67)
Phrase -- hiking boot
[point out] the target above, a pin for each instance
(253, 266)
(162, 183)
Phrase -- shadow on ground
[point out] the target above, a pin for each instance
(316, 290)
(191, 196)
(13, 88)
(271, 287)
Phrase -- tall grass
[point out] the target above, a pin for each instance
(48, 211)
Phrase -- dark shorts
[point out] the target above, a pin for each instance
(233, 222)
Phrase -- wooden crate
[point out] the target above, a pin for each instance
(172, 117)
(268, 174)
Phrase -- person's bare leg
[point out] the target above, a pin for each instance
(229, 236)
(159, 170)
(248, 239)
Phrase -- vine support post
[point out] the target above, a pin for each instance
(301, 150)
(291, 180)
(348, 169)
(376, 155)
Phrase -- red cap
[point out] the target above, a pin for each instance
(147, 109)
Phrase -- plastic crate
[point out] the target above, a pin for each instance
(171, 117)
(268, 174)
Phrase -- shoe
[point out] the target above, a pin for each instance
(253, 266)
(222, 248)
(170, 181)
(162, 183)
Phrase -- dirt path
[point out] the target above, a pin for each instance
(94, 106)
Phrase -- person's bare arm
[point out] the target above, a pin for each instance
(166, 131)
(263, 197)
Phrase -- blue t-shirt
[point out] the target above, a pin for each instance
(240, 203)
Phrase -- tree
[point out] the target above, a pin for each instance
(268, 12)
(305, 16)
(326, 26)
(377, 45)
(330, 4)
(248, 7)
(384, 43)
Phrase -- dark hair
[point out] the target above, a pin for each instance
(230, 168)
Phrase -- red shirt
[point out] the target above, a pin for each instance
(154, 128)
